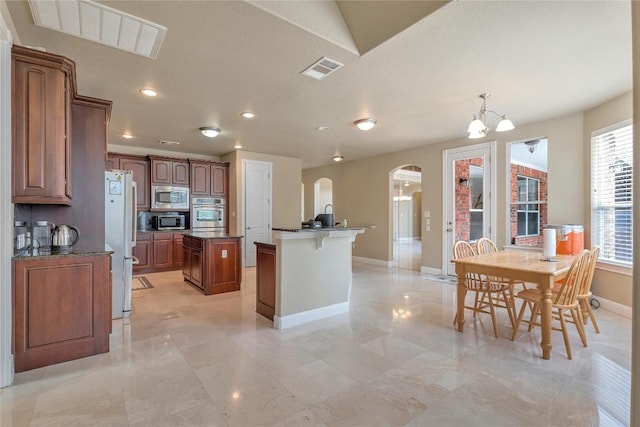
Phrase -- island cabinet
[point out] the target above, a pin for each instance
(61, 309)
(266, 279)
(42, 90)
(209, 179)
(212, 262)
(139, 166)
(167, 171)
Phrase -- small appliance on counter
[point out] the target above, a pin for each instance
(42, 233)
(144, 221)
(326, 218)
(19, 236)
(168, 221)
(62, 238)
(312, 224)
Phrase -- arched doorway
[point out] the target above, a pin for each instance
(406, 199)
(322, 195)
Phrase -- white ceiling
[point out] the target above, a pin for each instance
(538, 60)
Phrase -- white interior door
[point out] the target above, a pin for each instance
(469, 208)
(257, 207)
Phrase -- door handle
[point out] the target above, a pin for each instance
(248, 228)
(449, 230)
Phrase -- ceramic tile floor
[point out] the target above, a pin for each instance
(184, 359)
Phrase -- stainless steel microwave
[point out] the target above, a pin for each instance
(169, 198)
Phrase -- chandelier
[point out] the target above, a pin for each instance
(478, 127)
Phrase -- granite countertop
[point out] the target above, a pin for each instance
(163, 231)
(211, 235)
(75, 251)
(337, 228)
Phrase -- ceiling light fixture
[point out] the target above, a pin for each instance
(248, 115)
(209, 132)
(406, 184)
(237, 146)
(478, 127)
(149, 92)
(338, 158)
(532, 145)
(322, 128)
(127, 135)
(365, 124)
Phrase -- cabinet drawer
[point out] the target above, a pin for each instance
(197, 244)
(144, 236)
(162, 236)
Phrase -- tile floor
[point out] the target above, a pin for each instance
(184, 359)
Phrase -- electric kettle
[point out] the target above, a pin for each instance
(62, 237)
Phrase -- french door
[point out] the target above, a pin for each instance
(468, 205)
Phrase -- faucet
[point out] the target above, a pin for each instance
(326, 206)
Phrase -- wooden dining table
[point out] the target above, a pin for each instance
(516, 265)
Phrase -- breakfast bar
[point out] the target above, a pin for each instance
(312, 275)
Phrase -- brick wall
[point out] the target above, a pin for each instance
(463, 196)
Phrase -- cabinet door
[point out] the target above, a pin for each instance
(226, 262)
(113, 162)
(266, 280)
(186, 262)
(162, 254)
(161, 172)
(142, 251)
(196, 270)
(177, 251)
(180, 173)
(140, 169)
(41, 138)
(200, 179)
(219, 180)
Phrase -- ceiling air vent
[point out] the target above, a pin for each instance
(322, 68)
(165, 142)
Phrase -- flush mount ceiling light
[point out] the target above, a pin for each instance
(365, 124)
(99, 23)
(338, 158)
(532, 145)
(127, 135)
(209, 132)
(322, 128)
(248, 115)
(478, 127)
(149, 92)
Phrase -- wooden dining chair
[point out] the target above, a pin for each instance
(488, 295)
(564, 302)
(584, 294)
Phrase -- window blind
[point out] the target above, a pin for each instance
(611, 186)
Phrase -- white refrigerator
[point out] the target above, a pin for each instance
(120, 234)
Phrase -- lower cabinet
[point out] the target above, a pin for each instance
(157, 251)
(212, 264)
(266, 279)
(61, 308)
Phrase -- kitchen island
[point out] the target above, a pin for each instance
(211, 261)
(304, 275)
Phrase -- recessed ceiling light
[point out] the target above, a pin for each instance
(209, 132)
(237, 146)
(127, 135)
(322, 128)
(338, 158)
(149, 92)
(248, 115)
(365, 124)
(406, 184)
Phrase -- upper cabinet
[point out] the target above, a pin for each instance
(42, 90)
(209, 178)
(166, 171)
(139, 165)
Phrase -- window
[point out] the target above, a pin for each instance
(528, 206)
(611, 190)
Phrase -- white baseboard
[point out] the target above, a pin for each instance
(374, 261)
(614, 307)
(291, 320)
(430, 270)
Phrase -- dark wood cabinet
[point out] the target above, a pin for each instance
(209, 179)
(42, 90)
(212, 264)
(139, 166)
(162, 251)
(177, 251)
(143, 251)
(61, 309)
(266, 279)
(166, 171)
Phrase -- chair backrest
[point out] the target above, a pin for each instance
(568, 293)
(591, 268)
(486, 246)
(462, 249)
